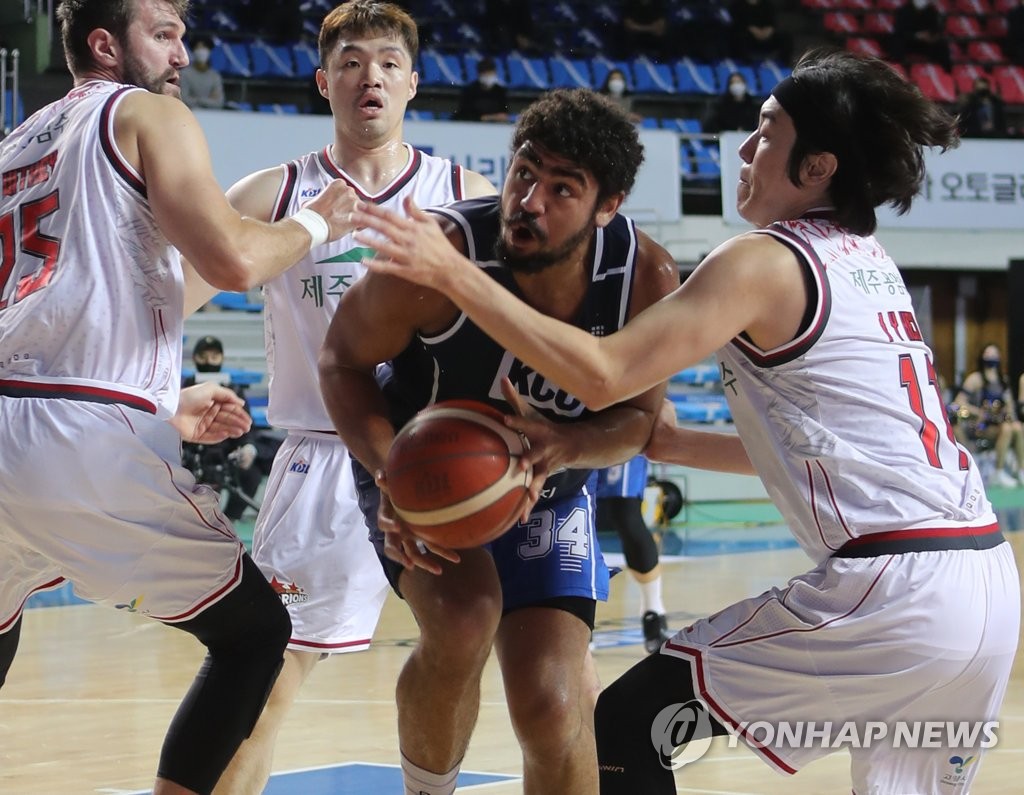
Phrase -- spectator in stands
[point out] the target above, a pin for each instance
(616, 89)
(987, 413)
(918, 33)
(755, 34)
(982, 112)
(735, 108)
(644, 29)
(485, 99)
(201, 85)
(1014, 44)
(231, 464)
(508, 25)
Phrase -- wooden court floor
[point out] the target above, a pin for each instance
(92, 690)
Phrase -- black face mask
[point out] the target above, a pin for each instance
(991, 363)
(206, 367)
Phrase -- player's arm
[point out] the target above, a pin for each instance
(253, 196)
(750, 283)
(161, 139)
(716, 451)
(477, 185)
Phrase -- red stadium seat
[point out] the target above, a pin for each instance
(856, 5)
(960, 26)
(820, 5)
(841, 23)
(964, 75)
(934, 81)
(899, 69)
(889, 5)
(1010, 80)
(879, 23)
(985, 52)
(1002, 6)
(996, 27)
(976, 7)
(865, 46)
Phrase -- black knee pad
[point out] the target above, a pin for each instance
(625, 716)
(246, 634)
(625, 516)
(8, 647)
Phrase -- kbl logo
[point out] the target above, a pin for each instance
(301, 466)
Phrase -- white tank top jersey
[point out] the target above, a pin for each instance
(846, 424)
(91, 303)
(299, 304)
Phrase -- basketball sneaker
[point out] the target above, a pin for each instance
(655, 630)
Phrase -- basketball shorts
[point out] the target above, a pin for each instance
(623, 480)
(310, 542)
(555, 553)
(95, 494)
(921, 642)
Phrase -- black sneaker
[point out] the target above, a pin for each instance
(655, 630)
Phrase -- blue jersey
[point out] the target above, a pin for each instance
(623, 480)
(463, 362)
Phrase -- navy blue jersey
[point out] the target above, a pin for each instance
(463, 362)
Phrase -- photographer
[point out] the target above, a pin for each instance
(231, 464)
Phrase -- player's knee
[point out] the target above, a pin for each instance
(548, 716)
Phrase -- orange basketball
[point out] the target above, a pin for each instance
(453, 474)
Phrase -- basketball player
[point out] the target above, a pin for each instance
(310, 538)
(620, 495)
(101, 190)
(912, 608)
(555, 236)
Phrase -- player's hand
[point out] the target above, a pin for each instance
(210, 413)
(545, 449)
(413, 247)
(662, 436)
(336, 204)
(401, 544)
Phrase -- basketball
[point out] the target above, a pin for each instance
(453, 474)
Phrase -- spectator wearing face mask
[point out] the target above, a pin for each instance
(982, 113)
(617, 91)
(485, 99)
(201, 84)
(735, 108)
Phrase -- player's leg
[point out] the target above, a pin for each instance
(245, 634)
(8, 648)
(438, 692)
(315, 552)
(550, 686)
(627, 713)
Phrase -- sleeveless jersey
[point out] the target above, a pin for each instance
(299, 304)
(91, 292)
(463, 362)
(846, 424)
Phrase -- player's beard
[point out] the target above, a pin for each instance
(136, 74)
(542, 258)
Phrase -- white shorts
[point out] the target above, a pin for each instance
(311, 542)
(925, 636)
(95, 494)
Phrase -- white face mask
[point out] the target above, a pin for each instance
(616, 86)
(488, 80)
(921, 3)
(738, 90)
(201, 55)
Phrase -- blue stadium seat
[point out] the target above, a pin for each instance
(698, 375)
(243, 106)
(649, 123)
(306, 58)
(440, 69)
(14, 110)
(769, 74)
(686, 126)
(685, 161)
(703, 408)
(278, 107)
(652, 78)
(527, 73)
(231, 59)
(419, 115)
(239, 301)
(693, 77)
(707, 165)
(569, 72)
(271, 60)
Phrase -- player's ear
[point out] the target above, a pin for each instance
(606, 208)
(414, 81)
(321, 83)
(105, 48)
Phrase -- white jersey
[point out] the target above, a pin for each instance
(91, 305)
(846, 424)
(300, 303)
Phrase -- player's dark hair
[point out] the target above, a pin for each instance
(874, 121)
(79, 18)
(358, 18)
(588, 129)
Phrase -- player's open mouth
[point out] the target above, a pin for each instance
(371, 103)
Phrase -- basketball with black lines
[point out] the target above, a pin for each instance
(454, 474)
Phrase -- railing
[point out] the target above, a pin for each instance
(9, 92)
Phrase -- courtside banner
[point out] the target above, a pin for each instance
(244, 142)
(979, 185)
